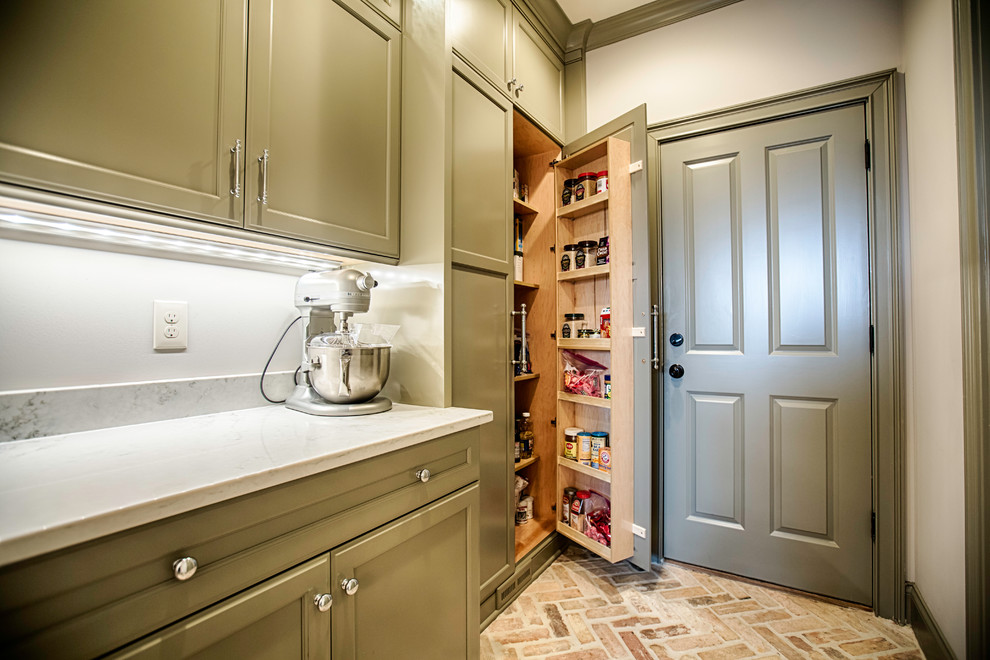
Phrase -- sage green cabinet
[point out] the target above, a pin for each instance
(322, 159)
(281, 117)
(539, 76)
(279, 618)
(502, 44)
(137, 103)
(413, 586)
(481, 296)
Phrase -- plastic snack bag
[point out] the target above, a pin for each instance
(582, 375)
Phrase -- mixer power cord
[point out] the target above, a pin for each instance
(295, 376)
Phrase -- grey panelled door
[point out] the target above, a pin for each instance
(137, 103)
(323, 103)
(767, 435)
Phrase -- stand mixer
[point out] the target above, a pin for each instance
(341, 375)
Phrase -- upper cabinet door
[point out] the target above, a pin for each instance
(134, 103)
(539, 76)
(323, 124)
(482, 35)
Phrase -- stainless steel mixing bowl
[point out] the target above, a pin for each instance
(347, 374)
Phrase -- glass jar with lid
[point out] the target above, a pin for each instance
(573, 325)
(586, 253)
(566, 259)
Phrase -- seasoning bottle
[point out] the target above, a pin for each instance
(585, 186)
(584, 448)
(567, 195)
(565, 504)
(571, 442)
(584, 252)
(608, 386)
(570, 321)
(602, 184)
(567, 258)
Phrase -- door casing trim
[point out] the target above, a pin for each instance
(880, 93)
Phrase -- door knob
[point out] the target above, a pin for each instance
(676, 371)
(323, 602)
(676, 339)
(350, 587)
(184, 568)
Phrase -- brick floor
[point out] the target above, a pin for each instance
(583, 608)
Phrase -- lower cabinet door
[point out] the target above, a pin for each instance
(410, 588)
(278, 619)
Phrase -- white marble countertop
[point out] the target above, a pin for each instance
(67, 489)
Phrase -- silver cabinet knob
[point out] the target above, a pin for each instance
(519, 89)
(350, 587)
(423, 475)
(512, 83)
(323, 602)
(184, 568)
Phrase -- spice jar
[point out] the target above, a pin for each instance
(568, 193)
(602, 184)
(571, 321)
(567, 258)
(584, 448)
(586, 250)
(565, 504)
(571, 442)
(585, 186)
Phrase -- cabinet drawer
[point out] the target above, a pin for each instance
(95, 597)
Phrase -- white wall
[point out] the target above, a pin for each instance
(77, 317)
(935, 398)
(760, 48)
(749, 50)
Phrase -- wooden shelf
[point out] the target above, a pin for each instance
(522, 208)
(586, 400)
(583, 273)
(586, 206)
(588, 154)
(594, 473)
(529, 535)
(585, 344)
(601, 550)
(525, 377)
(525, 285)
(526, 462)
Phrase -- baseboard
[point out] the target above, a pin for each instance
(930, 637)
(527, 569)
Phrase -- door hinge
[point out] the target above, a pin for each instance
(872, 340)
(553, 248)
(553, 335)
(873, 526)
(553, 162)
(553, 422)
(867, 155)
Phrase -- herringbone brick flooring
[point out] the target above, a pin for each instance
(583, 608)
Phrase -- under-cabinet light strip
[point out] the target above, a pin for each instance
(168, 239)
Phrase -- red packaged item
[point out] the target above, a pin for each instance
(582, 375)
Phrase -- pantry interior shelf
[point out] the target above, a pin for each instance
(586, 206)
(522, 208)
(526, 285)
(586, 400)
(584, 469)
(586, 344)
(522, 377)
(583, 273)
(526, 462)
(589, 543)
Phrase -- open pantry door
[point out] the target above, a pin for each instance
(624, 285)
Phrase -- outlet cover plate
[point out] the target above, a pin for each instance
(171, 325)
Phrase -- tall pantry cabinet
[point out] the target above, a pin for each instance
(495, 134)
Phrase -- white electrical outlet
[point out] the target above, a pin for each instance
(171, 326)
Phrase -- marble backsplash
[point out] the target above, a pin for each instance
(40, 413)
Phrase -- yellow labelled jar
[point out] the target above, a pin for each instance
(571, 442)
